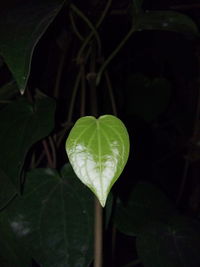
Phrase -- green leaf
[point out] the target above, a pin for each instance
(21, 26)
(137, 7)
(175, 244)
(8, 91)
(53, 219)
(145, 204)
(146, 97)
(7, 190)
(98, 150)
(22, 125)
(167, 21)
(12, 253)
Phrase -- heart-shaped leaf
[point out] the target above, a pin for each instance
(98, 150)
(146, 97)
(146, 204)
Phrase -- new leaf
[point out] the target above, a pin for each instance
(98, 150)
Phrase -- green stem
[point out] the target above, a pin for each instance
(74, 92)
(94, 30)
(117, 49)
(69, 121)
(82, 109)
(76, 31)
(183, 181)
(110, 90)
(104, 13)
(72, 102)
(59, 73)
(90, 25)
(91, 77)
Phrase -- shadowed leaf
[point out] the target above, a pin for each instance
(145, 204)
(174, 244)
(21, 26)
(53, 219)
(22, 124)
(167, 21)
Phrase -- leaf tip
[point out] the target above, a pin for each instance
(102, 202)
(21, 90)
(102, 197)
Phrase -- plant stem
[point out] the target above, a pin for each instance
(73, 98)
(40, 159)
(53, 149)
(93, 28)
(32, 164)
(183, 182)
(48, 154)
(91, 77)
(98, 235)
(188, 158)
(110, 90)
(59, 73)
(90, 25)
(117, 49)
(76, 31)
(82, 109)
(98, 210)
(75, 90)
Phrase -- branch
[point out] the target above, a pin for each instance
(48, 154)
(94, 32)
(117, 49)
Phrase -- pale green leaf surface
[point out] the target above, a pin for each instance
(98, 150)
(21, 26)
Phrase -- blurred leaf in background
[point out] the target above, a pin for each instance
(144, 205)
(146, 97)
(174, 244)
